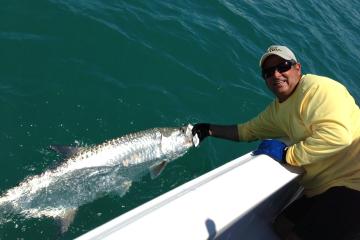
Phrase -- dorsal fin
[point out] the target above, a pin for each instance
(66, 151)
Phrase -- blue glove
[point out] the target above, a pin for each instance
(273, 148)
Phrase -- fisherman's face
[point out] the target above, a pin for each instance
(281, 83)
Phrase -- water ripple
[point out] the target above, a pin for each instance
(19, 36)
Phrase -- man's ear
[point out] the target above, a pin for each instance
(297, 66)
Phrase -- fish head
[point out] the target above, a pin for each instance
(176, 141)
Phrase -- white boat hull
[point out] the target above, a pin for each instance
(238, 200)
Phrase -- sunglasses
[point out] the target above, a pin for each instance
(282, 67)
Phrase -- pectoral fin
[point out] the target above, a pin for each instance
(156, 170)
(66, 219)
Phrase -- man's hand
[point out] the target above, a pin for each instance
(273, 148)
(202, 130)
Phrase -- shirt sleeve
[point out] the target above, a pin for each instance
(261, 127)
(326, 111)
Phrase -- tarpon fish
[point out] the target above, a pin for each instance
(92, 172)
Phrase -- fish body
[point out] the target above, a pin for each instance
(93, 172)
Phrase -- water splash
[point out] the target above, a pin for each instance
(53, 195)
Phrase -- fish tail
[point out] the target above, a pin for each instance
(7, 212)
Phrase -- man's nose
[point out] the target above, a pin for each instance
(277, 74)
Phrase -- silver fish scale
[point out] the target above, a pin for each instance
(137, 147)
(127, 150)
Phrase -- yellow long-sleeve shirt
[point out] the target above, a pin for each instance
(322, 121)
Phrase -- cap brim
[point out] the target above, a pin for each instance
(262, 59)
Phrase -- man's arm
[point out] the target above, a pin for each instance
(203, 130)
(229, 132)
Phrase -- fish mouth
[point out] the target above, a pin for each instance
(195, 141)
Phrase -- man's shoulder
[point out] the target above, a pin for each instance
(312, 80)
(315, 79)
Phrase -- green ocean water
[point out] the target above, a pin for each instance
(80, 72)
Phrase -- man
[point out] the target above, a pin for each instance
(322, 121)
